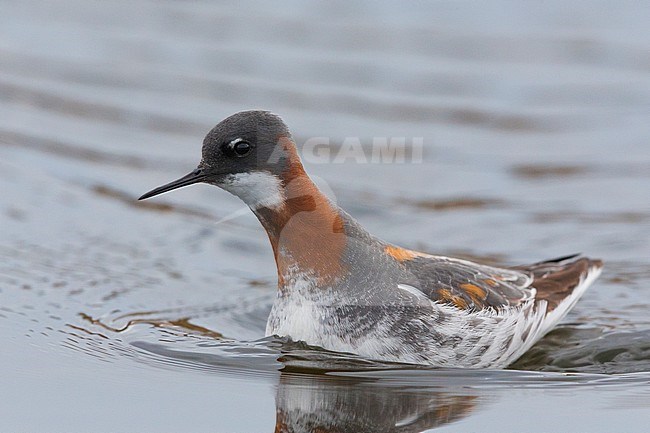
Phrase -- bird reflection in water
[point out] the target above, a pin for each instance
(320, 403)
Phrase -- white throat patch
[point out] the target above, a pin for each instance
(256, 188)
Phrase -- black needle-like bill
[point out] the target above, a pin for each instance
(194, 177)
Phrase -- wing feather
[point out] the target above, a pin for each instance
(469, 285)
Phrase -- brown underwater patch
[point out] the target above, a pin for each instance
(531, 171)
(182, 323)
(107, 191)
(454, 203)
(592, 218)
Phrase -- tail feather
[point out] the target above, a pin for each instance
(560, 283)
(556, 280)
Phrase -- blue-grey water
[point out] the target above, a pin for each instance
(120, 316)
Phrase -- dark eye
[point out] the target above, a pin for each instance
(239, 147)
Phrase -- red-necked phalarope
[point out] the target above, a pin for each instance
(345, 290)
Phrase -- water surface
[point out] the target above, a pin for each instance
(117, 315)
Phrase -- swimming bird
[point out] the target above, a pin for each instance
(345, 290)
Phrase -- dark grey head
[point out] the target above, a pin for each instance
(246, 154)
